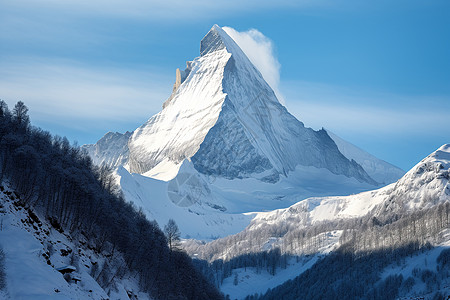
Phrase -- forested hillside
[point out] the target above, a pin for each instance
(367, 247)
(329, 242)
(362, 250)
(59, 182)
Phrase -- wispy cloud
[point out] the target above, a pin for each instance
(57, 91)
(366, 112)
(158, 10)
(260, 50)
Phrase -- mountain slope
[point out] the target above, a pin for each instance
(227, 120)
(111, 149)
(223, 147)
(413, 211)
(424, 186)
(381, 171)
(206, 207)
(55, 183)
(34, 250)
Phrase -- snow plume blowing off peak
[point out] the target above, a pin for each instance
(260, 51)
(224, 145)
(225, 118)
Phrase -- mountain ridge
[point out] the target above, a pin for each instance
(423, 186)
(380, 170)
(224, 117)
(223, 146)
(411, 214)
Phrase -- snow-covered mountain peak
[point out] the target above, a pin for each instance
(425, 185)
(441, 155)
(217, 39)
(436, 163)
(213, 41)
(225, 118)
(223, 145)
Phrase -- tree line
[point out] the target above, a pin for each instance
(59, 181)
(368, 246)
(374, 239)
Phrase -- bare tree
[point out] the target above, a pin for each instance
(20, 114)
(173, 235)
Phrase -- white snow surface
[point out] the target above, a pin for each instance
(30, 277)
(251, 282)
(425, 185)
(206, 207)
(223, 147)
(226, 119)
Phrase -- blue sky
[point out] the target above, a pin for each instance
(377, 74)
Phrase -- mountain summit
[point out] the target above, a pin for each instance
(223, 146)
(226, 119)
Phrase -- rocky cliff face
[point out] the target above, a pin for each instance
(223, 147)
(227, 120)
(111, 149)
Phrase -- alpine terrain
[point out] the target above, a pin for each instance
(66, 232)
(223, 194)
(395, 238)
(224, 147)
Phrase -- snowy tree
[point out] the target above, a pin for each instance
(173, 235)
(3, 108)
(20, 114)
(59, 183)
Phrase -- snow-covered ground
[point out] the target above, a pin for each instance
(206, 207)
(425, 185)
(250, 282)
(425, 260)
(34, 251)
(224, 147)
